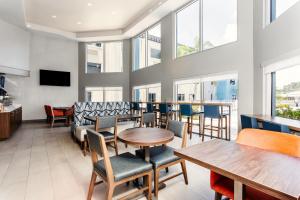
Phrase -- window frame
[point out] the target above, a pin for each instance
(147, 87)
(201, 49)
(104, 53)
(146, 46)
(103, 90)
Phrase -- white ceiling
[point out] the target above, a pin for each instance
(85, 15)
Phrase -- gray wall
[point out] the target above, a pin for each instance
(105, 79)
(46, 52)
(235, 57)
(278, 40)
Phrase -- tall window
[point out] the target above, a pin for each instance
(104, 57)
(147, 48)
(286, 92)
(205, 24)
(188, 90)
(104, 94)
(147, 93)
(278, 7)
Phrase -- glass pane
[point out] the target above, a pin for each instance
(139, 51)
(94, 57)
(219, 22)
(95, 95)
(188, 25)
(221, 90)
(154, 94)
(113, 94)
(113, 57)
(288, 93)
(188, 92)
(154, 45)
(283, 5)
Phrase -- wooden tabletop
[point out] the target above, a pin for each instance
(119, 117)
(146, 137)
(292, 124)
(275, 174)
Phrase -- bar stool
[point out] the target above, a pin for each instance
(135, 108)
(164, 114)
(213, 112)
(186, 110)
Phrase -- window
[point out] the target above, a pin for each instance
(205, 24)
(104, 94)
(188, 90)
(188, 29)
(219, 22)
(104, 57)
(286, 92)
(147, 48)
(147, 93)
(278, 7)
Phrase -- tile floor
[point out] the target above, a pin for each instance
(40, 163)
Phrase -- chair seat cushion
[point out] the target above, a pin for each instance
(159, 155)
(58, 113)
(125, 165)
(107, 135)
(80, 131)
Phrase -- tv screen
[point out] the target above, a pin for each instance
(55, 78)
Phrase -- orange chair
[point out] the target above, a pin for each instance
(267, 140)
(53, 115)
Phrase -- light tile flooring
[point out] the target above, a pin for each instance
(39, 163)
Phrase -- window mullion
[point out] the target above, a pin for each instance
(201, 25)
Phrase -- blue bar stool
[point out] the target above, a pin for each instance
(213, 112)
(248, 122)
(186, 110)
(165, 112)
(135, 108)
(270, 126)
(150, 107)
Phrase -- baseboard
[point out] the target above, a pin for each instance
(35, 121)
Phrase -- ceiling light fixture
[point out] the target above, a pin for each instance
(113, 12)
(89, 4)
(53, 16)
(79, 23)
(28, 25)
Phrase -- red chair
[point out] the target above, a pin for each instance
(54, 115)
(69, 114)
(267, 140)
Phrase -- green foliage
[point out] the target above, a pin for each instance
(285, 111)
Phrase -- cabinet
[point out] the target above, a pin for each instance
(10, 121)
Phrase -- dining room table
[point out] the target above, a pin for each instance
(275, 174)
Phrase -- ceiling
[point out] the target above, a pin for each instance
(85, 15)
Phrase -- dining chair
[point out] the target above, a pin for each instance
(165, 113)
(213, 112)
(104, 125)
(186, 110)
(148, 119)
(116, 170)
(275, 127)
(150, 107)
(54, 115)
(249, 122)
(162, 157)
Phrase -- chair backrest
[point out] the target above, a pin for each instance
(186, 109)
(49, 111)
(164, 108)
(98, 147)
(135, 106)
(148, 118)
(150, 107)
(249, 122)
(212, 111)
(275, 127)
(270, 140)
(179, 129)
(106, 122)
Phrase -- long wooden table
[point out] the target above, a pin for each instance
(275, 174)
(293, 125)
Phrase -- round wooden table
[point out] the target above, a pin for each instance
(146, 137)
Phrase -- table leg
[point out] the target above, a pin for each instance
(147, 154)
(239, 191)
(229, 123)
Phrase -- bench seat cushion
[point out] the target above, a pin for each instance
(80, 132)
(125, 165)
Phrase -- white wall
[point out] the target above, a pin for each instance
(14, 48)
(52, 53)
(277, 41)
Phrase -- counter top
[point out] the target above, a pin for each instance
(11, 108)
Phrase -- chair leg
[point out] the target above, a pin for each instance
(149, 184)
(52, 122)
(218, 196)
(183, 167)
(109, 192)
(203, 129)
(92, 185)
(116, 147)
(219, 128)
(167, 169)
(211, 128)
(191, 127)
(156, 182)
(84, 146)
(226, 127)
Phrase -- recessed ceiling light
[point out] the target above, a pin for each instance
(79, 23)
(113, 12)
(53, 16)
(89, 4)
(28, 25)
(150, 11)
(159, 3)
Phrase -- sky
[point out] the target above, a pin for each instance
(287, 76)
(283, 5)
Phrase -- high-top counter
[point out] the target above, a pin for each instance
(10, 120)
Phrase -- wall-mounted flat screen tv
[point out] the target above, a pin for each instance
(55, 78)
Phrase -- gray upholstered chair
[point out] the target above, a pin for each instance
(163, 157)
(102, 126)
(116, 170)
(148, 119)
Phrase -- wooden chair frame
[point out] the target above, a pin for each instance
(218, 128)
(181, 161)
(152, 124)
(109, 178)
